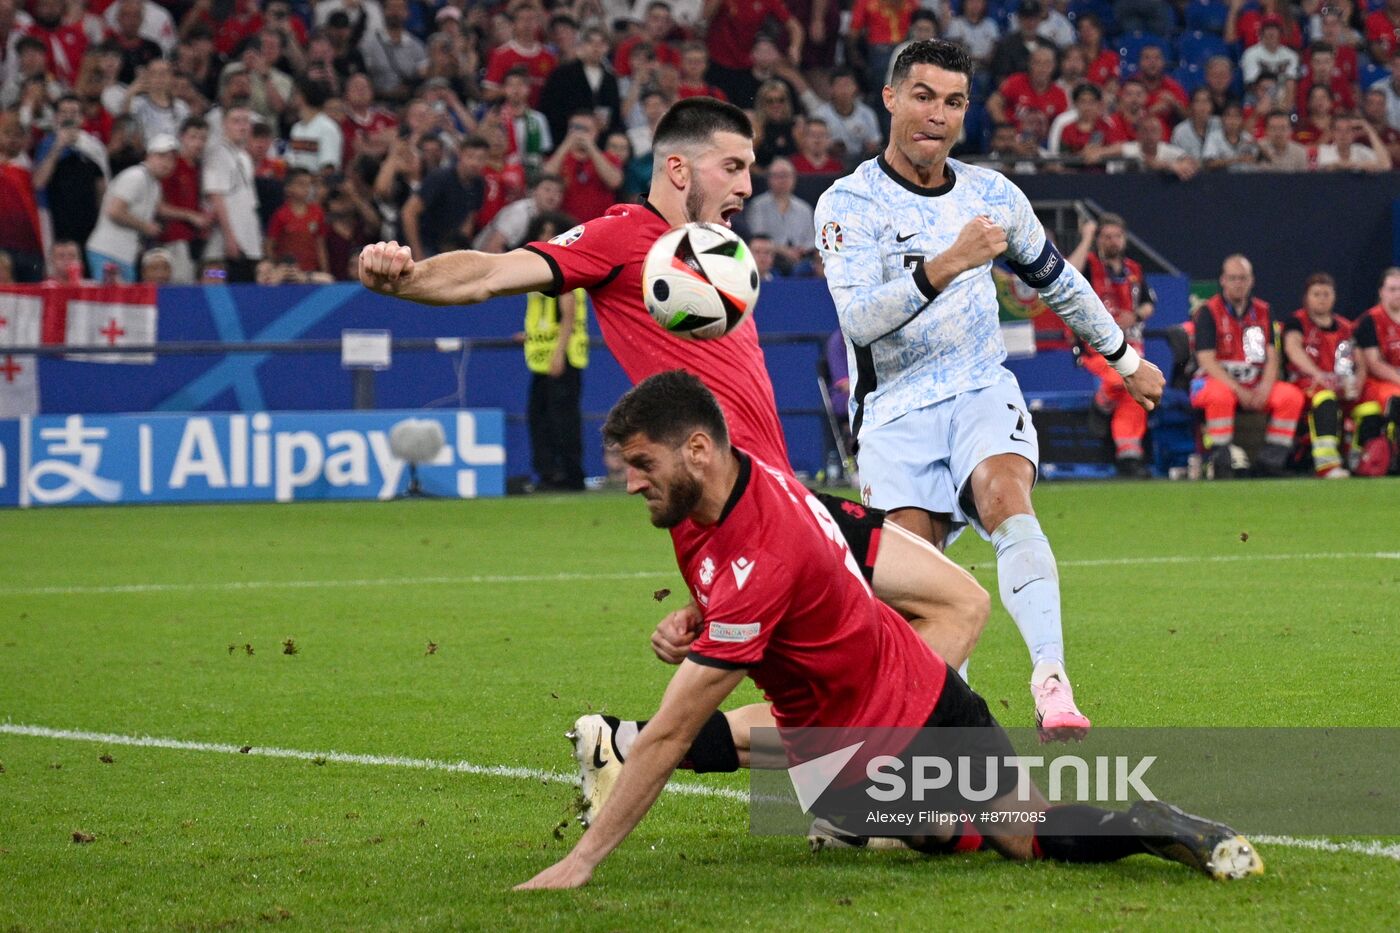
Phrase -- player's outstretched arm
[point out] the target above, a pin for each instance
(461, 277)
(695, 692)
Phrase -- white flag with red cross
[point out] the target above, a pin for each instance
(21, 325)
(111, 316)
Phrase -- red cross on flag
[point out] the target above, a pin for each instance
(112, 316)
(21, 325)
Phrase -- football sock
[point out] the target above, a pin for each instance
(1079, 833)
(712, 750)
(1030, 585)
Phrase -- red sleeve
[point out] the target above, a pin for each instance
(739, 622)
(585, 255)
(276, 223)
(1175, 89)
(779, 11)
(497, 67)
(858, 17)
(1009, 88)
(622, 65)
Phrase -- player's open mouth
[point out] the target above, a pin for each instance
(727, 212)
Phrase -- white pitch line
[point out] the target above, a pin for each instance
(1375, 849)
(390, 761)
(242, 585)
(238, 585)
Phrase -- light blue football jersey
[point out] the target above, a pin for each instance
(875, 229)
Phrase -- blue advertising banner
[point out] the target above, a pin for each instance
(9, 461)
(254, 457)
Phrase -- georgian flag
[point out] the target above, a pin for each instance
(111, 316)
(21, 325)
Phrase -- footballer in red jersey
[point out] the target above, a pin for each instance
(1318, 347)
(704, 149)
(1378, 415)
(785, 605)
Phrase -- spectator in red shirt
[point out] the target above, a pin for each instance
(231, 31)
(1335, 35)
(1373, 111)
(814, 156)
(591, 176)
(1090, 127)
(1243, 25)
(1383, 31)
(1103, 62)
(1165, 97)
(1032, 89)
(1315, 127)
(883, 24)
(366, 128)
(504, 177)
(183, 240)
(524, 48)
(1322, 70)
(1132, 104)
(298, 228)
(656, 29)
(695, 61)
(734, 25)
(65, 43)
(19, 214)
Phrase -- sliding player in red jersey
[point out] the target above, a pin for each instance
(787, 605)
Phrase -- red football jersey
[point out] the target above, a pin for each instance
(605, 256)
(736, 25)
(1020, 95)
(1381, 28)
(539, 61)
(355, 129)
(1103, 69)
(782, 596)
(1376, 329)
(1073, 138)
(180, 189)
(297, 235)
(1320, 344)
(503, 185)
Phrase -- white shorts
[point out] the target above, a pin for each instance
(925, 458)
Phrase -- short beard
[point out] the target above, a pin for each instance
(685, 496)
(694, 205)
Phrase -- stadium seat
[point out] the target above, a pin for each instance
(1189, 77)
(1103, 9)
(1132, 43)
(1198, 47)
(1370, 74)
(1207, 15)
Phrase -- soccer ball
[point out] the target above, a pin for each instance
(700, 281)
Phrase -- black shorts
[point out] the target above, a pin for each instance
(860, 525)
(962, 731)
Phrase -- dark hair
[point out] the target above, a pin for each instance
(474, 141)
(260, 129)
(556, 179)
(315, 93)
(29, 42)
(923, 13)
(67, 97)
(1093, 90)
(294, 173)
(1318, 278)
(937, 52)
(1111, 220)
(193, 123)
(1321, 47)
(666, 408)
(518, 71)
(556, 219)
(695, 120)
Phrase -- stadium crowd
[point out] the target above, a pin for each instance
(269, 140)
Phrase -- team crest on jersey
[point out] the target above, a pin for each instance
(707, 572)
(568, 237)
(831, 237)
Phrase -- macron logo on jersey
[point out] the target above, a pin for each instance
(742, 568)
(728, 631)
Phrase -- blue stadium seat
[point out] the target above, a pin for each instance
(1197, 47)
(1132, 43)
(1103, 9)
(1190, 76)
(1370, 74)
(1207, 15)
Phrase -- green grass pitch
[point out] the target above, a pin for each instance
(177, 622)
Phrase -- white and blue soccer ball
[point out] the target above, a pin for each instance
(700, 281)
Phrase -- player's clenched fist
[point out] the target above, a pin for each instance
(979, 241)
(673, 635)
(1146, 385)
(385, 267)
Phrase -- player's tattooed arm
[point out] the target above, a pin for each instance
(461, 277)
(695, 692)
